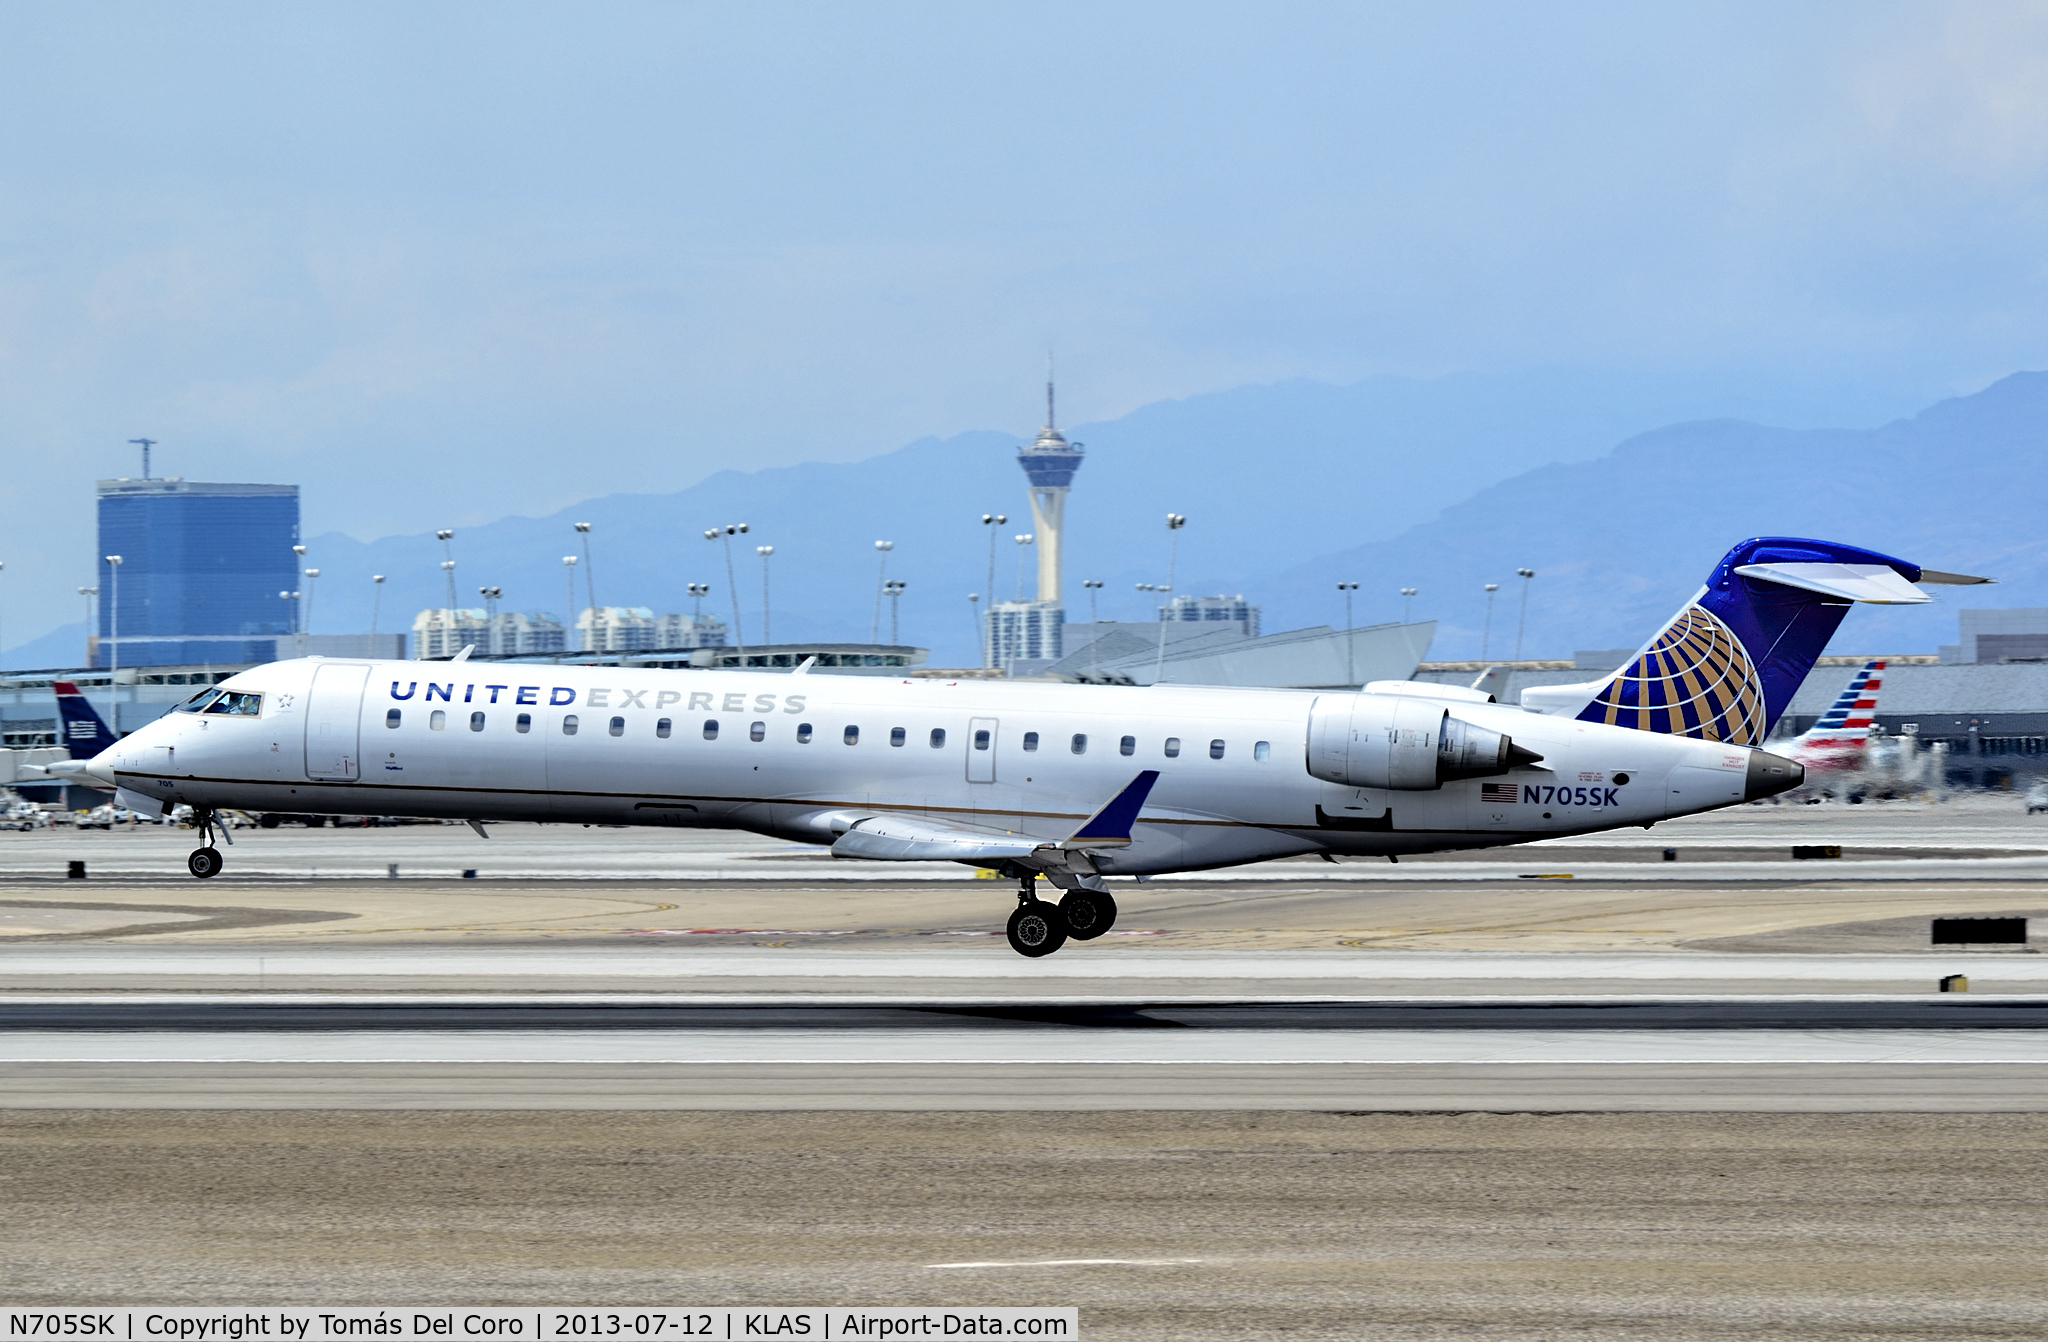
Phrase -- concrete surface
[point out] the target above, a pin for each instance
(1191, 1225)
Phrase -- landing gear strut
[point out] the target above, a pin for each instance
(1036, 928)
(206, 860)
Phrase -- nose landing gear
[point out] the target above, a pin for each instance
(206, 860)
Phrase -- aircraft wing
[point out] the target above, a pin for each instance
(903, 838)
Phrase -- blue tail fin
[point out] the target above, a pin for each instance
(79, 725)
(1725, 667)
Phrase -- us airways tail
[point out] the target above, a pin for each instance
(1840, 741)
(80, 727)
(1726, 665)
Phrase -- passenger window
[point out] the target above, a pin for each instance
(393, 717)
(523, 723)
(476, 722)
(568, 724)
(1261, 750)
(1173, 747)
(852, 736)
(1127, 746)
(1215, 750)
(437, 720)
(711, 729)
(1080, 744)
(758, 732)
(981, 740)
(803, 733)
(618, 726)
(664, 727)
(1031, 740)
(897, 736)
(938, 738)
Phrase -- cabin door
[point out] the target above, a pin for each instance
(334, 714)
(981, 750)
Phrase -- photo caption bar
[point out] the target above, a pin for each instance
(272, 1323)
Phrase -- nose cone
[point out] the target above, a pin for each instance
(1771, 774)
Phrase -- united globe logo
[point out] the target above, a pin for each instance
(1695, 680)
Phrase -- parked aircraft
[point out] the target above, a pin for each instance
(1066, 783)
(82, 731)
(1839, 743)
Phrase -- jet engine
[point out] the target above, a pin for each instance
(1411, 745)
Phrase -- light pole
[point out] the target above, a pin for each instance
(698, 591)
(114, 637)
(491, 596)
(1408, 604)
(569, 616)
(448, 566)
(980, 637)
(1174, 522)
(1524, 574)
(1022, 540)
(894, 587)
(376, 607)
(882, 549)
(3, 633)
(589, 569)
(1092, 586)
(1486, 635)
(88, 593)
(1350, 671)
(767, 624)
(991, 521)
(732, 584)
(298, 609)
(312, 577)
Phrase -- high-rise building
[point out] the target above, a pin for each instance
(1023, 631)
(202, 567)
(509, 633)
(1213, 610)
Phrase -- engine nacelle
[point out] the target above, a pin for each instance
(1409, 745)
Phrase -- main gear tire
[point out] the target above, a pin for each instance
(204, 862)
(1088, 913)
(1037, 929)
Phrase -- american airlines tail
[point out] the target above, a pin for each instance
(1840, 741)
(1725, 667)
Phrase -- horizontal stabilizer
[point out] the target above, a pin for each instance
(1879, 584)
(1951, 579)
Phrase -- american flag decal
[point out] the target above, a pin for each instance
(1497, 792)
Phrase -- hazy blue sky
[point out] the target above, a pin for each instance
(442, 262)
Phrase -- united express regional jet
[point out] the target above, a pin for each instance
(1069, 783)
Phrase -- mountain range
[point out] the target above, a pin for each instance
(1440, 484)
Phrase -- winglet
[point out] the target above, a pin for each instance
(463, 656)
(804, 667)
(1111, 826)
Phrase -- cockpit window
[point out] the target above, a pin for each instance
(197, 701)
(236, 704)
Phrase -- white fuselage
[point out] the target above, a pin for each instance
(790, 755)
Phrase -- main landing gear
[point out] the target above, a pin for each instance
(206, 860)
(1038, 928)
